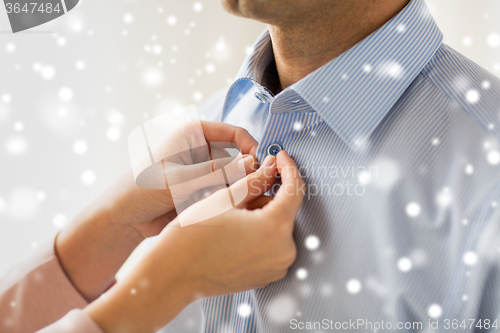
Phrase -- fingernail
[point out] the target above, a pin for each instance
(268, 161)
(249, 163)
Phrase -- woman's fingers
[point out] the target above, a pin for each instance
(205, 174)
(221, 132)
(255, 184)
(259, 202)
(289, 197)
(235, 168)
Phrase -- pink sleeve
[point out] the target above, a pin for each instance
(76, 321)
(38, 293)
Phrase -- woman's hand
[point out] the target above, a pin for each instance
(244, 248)
(149, 210)
(94, 247)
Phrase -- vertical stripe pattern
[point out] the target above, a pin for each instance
(398, 142)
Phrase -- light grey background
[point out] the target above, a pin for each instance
(87, 79)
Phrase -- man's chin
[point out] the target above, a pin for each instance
(259, 10)
(232, 6)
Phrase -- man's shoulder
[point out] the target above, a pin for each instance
(473, 88)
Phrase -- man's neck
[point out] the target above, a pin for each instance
(302, 46)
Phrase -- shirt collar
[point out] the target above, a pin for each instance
(353, 92)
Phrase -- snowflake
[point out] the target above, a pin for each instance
(18, 126)
(157, 49)
(37, 67)
(210, 68)
(77, 26)
(48, 72)
(413, 209)
(198, 7)
(244, 310)
(444, 197)
(88, 177)
(113, 133)
(392, 70)
(65, 94)
(221, 51)
(435, 311)
(470, 258)
(493, 40)
(467, 41)
(385, 174)
(353, 286)
(301, 274)
(23, 203)
(61, 41)
(404, 264)
(172, 20)
(493, 157)
(3, 206)
(80, 147)
(281, 309)
(60, 221)
(312, 242)
(80, 65)
(10, 47)
(297, 126)
(16, 146)
(6, 98)
(326, 290)
(40, 195)
(197, 96)
(472, 96)
(128, 18)
(364, 177)
(152, 77)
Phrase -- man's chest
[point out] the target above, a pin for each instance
(395, 229)
(394, 217)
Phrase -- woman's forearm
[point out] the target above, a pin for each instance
(93, 249)
(147, 299)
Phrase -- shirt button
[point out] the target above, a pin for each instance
(261, 97)
(274, 149)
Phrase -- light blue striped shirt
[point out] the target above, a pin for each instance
(398, 142)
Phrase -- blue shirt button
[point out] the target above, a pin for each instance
(274, 149)
(261, 97)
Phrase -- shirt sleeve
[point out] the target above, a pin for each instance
(38, 293)
(76, 321)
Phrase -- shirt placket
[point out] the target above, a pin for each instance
(289, 115)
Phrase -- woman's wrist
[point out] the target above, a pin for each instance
(146, 299)
(92, 249)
